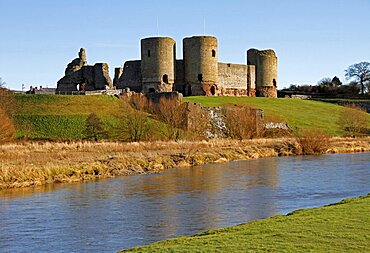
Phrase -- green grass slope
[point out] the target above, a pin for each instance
(61, 117)
(299, 114)
(342, 227)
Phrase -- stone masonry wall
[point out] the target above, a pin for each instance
(131, 76)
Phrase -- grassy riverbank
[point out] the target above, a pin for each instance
(37, 163)
(341, 227)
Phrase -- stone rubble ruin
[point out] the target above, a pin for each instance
(79, 76)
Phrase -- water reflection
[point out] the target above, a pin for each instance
(112, 214)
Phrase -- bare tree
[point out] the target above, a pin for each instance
(135, 125)
(360, 72)
(173, 113)
(94, 128)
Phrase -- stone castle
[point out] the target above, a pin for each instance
(199, 73)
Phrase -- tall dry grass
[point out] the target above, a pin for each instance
(36, 163)
(313, 141)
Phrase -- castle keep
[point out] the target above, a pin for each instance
(198, 73)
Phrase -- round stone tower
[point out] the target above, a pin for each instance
(158, 64)
(265, 62)
(200, 65)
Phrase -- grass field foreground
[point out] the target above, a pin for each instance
(341, 227)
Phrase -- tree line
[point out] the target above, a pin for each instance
(357, 75)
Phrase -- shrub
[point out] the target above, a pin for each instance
(241, 122)
(7, 128)
(353, 119)
(198, 122)
(7, 101)
(313, 141)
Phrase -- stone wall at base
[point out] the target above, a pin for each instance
(267, 91)
(238, 92)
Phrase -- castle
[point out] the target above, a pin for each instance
(198, 74)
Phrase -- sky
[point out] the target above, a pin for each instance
(313, 39)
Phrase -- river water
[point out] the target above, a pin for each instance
(113, 214)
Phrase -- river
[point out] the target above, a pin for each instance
(113, 214)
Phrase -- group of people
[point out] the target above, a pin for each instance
(33, 90)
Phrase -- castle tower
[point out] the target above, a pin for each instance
(266, 71)
(158, 64)
(200, 65)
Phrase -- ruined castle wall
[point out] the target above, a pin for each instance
(180, 77)
(117, 75)
(101, 76)
(158, 64)
(232, 75)
(131, 76)
(236, 79)
(201, 65)
(266, 71)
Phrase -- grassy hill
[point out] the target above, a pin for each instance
(299, 114)
(63, 117)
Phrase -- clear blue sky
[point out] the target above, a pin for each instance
(312, 38)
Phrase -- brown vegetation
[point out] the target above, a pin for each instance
(7, 128)
(7, 107)
(313, 142)
(27, 164)
(173, 113)
(242, 122)
(353, 119)
(7, 101)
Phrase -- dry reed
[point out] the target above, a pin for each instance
(36, 163)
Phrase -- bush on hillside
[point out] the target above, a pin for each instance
(241, 122)
(7, 129)
(7, 101)
(353, 120)
(173, 113)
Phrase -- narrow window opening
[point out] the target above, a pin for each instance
(189, 90)
(165, 79)
(200, 77)
(151, 90)
(213, 90)
(148, 53)
(274, 82)
(213, 53)
(229, 65)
